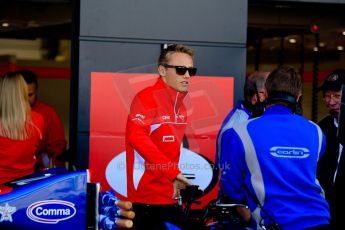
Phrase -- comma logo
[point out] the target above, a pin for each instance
(51, 211)
(289, 152)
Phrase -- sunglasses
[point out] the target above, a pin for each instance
(181, 70)
(328, 96)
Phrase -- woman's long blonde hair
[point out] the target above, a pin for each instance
(15, 111)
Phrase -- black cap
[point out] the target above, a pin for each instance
(334, 80)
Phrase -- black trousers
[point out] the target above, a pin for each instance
(154, 217)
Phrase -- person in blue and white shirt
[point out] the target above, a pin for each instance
(272, 161)
(252, 104)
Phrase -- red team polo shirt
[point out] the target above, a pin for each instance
(18, 156)
(154, 133)
(54, 142)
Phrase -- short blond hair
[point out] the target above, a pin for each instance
(15, 112)
(173, 48)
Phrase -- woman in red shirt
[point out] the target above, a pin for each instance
(20, 129)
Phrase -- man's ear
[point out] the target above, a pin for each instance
(161, 71)
(298, 97)
(254, 99)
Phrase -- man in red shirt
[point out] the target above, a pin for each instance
(54, 141)
(154, 133)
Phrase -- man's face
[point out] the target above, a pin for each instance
(169, 75)
(332, 101)
(32, 90)
(260, 97)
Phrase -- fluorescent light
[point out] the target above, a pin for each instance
(292, 41)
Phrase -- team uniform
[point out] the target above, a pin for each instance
(154, 133)
(54, 142)
(18, 156)
(237, 115)
(275, 156)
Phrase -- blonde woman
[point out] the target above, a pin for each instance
(20, 129)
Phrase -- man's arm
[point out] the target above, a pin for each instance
(232, 164)
(55, 141)
(138, 135)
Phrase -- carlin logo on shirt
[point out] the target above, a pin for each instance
(289, 152)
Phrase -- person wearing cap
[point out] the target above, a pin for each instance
(331, 163)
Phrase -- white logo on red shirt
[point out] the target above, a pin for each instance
(165, 117)
(168, 138)
(140, 116)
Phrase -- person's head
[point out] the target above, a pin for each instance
(175, 66)
(14, 106)
(254, 87)
(31, 80)
(255, 92)
(284, 86)
(331, 89)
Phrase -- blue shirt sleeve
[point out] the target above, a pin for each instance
(232, 165)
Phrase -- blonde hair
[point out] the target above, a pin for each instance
(15, 112)
(173, 48)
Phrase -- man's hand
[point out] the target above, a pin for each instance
(126, 213)
(179, 183)
(244, 213)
